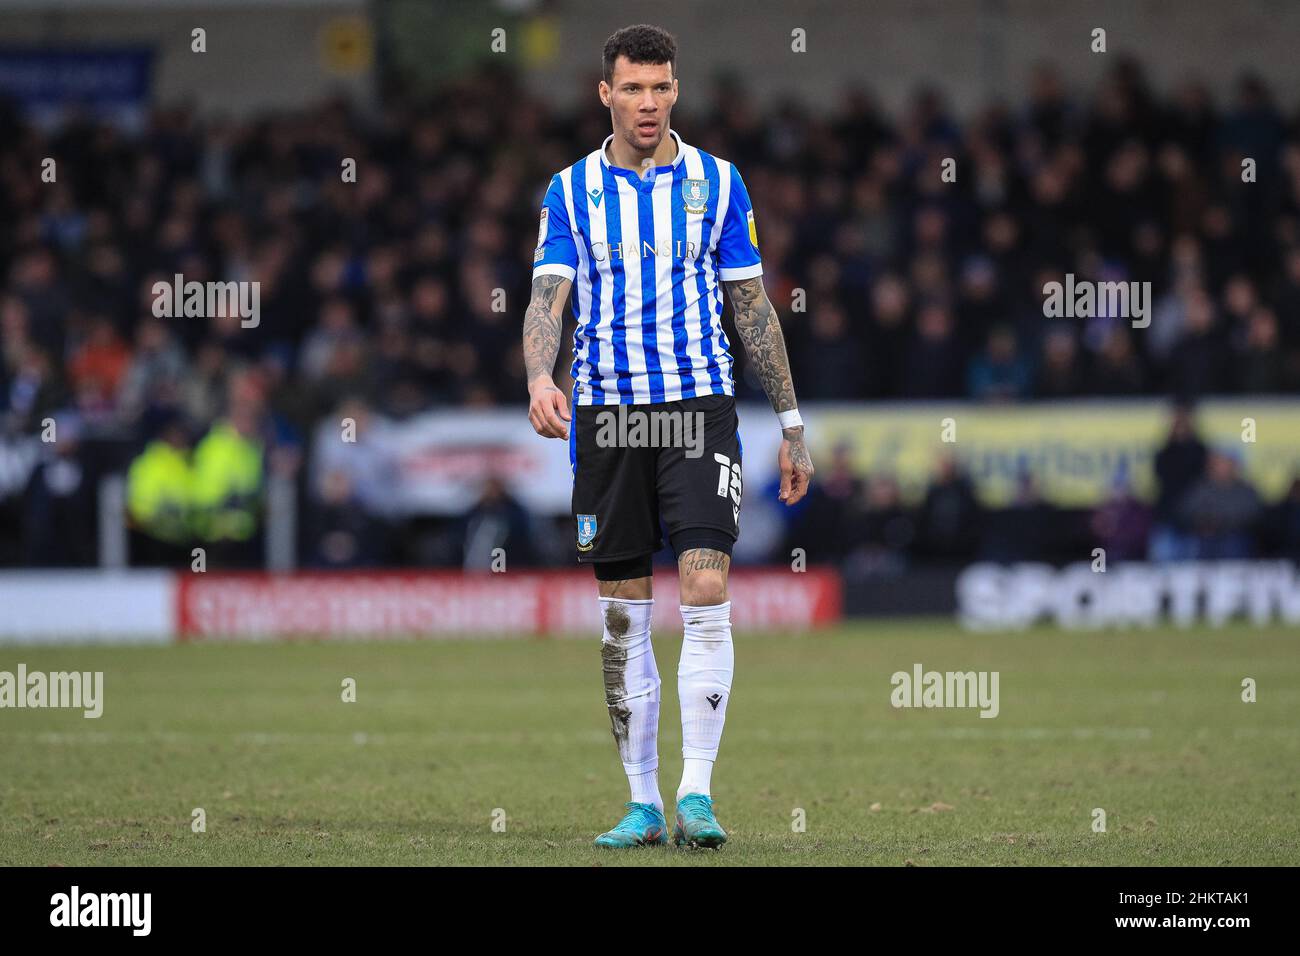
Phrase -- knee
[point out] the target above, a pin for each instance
(704, 588)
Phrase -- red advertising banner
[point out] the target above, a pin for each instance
(404, 604)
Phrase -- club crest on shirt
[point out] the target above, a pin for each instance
(695, 195)
(586, 531)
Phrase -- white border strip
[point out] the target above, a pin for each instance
(87, 607)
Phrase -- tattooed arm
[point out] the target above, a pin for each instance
(548, 410)
(760, 331)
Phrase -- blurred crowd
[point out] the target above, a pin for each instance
(382, 294)
(871, 527)
(1204, 509)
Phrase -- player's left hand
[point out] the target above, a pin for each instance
(796, 468)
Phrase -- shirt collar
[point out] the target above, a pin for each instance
(677, 160)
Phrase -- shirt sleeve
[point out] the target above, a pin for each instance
(738, 248)
(556, 253)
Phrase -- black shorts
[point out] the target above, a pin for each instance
(680, 464)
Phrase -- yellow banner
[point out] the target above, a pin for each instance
(1075, 451)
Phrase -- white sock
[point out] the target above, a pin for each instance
(704, 687)
(696, 775)
(645, 788)
(632, 692)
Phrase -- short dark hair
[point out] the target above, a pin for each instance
(641, 43)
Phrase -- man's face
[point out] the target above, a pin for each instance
(640, 96)
(1222, 469)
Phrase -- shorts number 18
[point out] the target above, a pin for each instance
(728, 477)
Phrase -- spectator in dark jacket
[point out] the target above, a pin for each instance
(951, 518)
(1283, 524)
(60, 503)
(1178, 465)
(1222, 511)
(1000, 374)
(933, 367)
(497, 521)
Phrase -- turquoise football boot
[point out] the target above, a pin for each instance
(696, 824)
(644, 825)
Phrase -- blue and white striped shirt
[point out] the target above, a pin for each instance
(647, 257)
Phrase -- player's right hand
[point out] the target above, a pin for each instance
(548, 409)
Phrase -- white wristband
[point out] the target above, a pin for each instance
(789, 419)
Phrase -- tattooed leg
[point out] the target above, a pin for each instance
(703, 573)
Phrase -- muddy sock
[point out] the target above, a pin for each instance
(632, 692)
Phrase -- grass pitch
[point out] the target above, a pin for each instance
(445, 737)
